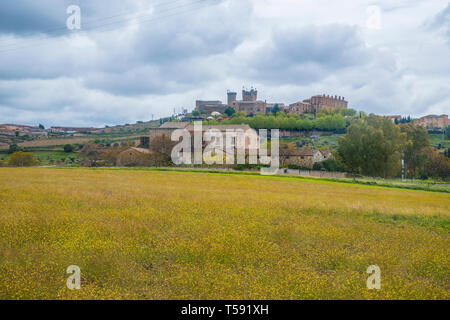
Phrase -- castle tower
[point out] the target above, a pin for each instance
(231, 97)
(251, 95)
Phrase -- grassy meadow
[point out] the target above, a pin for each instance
(140, 234)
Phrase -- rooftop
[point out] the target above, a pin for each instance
(174, 125)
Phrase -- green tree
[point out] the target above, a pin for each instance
(22, 159)
(229, 111)
(195, 113)
(275, 109)
(41, 126)
(13, 148)
(417, 141)
(437, 165)
(373, 146)
(348, 112)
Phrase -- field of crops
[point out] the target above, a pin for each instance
(141, 234)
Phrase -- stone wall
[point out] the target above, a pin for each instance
(319, 174)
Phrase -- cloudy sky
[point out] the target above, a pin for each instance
(132, 59)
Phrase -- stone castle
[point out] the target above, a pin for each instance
(251, 105)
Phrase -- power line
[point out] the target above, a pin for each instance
(64, 29)
(195, 5)
(124, 21)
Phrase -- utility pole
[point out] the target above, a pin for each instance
(403, 171)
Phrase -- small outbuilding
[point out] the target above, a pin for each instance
(301, 157)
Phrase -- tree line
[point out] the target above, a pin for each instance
(333, 122)
(375, 146)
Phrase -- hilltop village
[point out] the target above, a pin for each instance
(310, 130)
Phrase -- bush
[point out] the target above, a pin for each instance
(22, 159)
(329, 165)
(68, 148)
(318, 166)
(423, 176)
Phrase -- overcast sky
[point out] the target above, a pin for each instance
(136, 58)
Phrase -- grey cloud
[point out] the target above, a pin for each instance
(171, 51)
(442, 22)
(309, 54)
(128, 73)
(30, 17)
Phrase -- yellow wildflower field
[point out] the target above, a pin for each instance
(142, 234)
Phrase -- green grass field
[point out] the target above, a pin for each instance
(436, 139)
(322, 142)
(140, 234)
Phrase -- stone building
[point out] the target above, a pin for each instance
(317, 103)
(231, 97)
(249, 95)
(299, 108)
(166, 129)
(249, 103)
(250, 107)
(210, 106)
(305, 158)
(320, 102)
(432, 121)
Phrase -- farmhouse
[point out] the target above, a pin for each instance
(166, 129)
